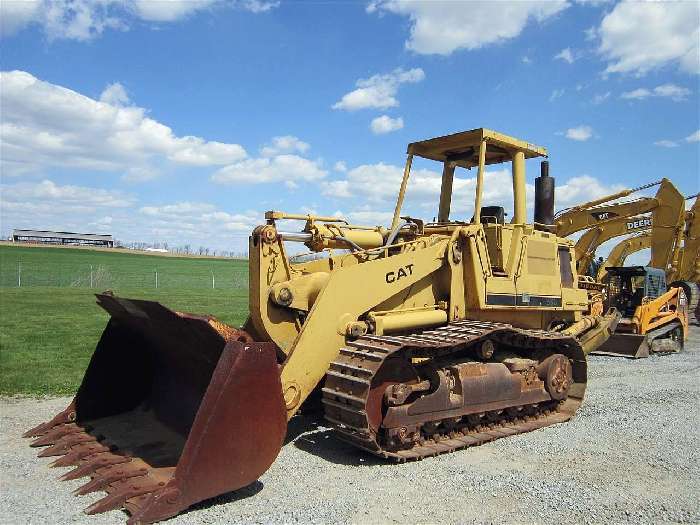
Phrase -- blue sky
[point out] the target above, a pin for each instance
(184, 121)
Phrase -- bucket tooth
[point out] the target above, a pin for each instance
(56, 433)
(122, 492)
(92, 463)
(78, 452)
(67, 416)
(64, 444)
(38, 430)
(201, 413)
(109, 475)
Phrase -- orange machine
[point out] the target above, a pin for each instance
(654, 318)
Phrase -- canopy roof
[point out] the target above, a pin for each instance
(463, 148)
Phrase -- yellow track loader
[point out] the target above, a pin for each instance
(421, 338)
(654, 318)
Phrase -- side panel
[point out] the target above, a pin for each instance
(350, 293)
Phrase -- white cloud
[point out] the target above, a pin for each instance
(45, 125)
(168, 10)
(601, 97)
(593, 3)
(666, 143)
(284, 144)
(379, 183)
(566, 55)
(672, 91)
(637, 94)
(379, 91)
(51, 206)
(375, 186)
(115, 95)
(86, 19)
(442, 27)
(579, 133)
(49, 193)
(582, 189)
(47, 205)
(526, 60)
(370, 217)
(693, 137)
(198, 224)
(557, 93)
(385, 124)
(258, 6)
(281, 168)
(638, 37)
(340, 166)
(16, 15)
(140, 174)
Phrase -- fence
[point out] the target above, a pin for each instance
(171, 274)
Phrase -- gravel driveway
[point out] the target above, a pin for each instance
(630, 455)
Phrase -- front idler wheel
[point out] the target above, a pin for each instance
(555, 371)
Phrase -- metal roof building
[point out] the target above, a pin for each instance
(65, 238)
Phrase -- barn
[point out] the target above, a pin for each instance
(62, 238)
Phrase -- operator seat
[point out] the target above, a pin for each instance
(493, 214)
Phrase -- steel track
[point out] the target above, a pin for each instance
(349, 383)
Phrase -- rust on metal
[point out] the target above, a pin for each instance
(174, 408)
(535, 378)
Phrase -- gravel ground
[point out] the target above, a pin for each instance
(630, 455)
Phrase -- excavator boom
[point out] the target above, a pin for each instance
(622, 250)
(590, 214)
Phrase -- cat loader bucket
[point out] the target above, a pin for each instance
(173, 409)
(635, 346)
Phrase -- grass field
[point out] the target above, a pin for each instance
(37, 266)
(48, 333)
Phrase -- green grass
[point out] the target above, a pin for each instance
(72, 267)
(48, 333)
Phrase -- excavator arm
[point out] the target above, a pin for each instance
(592, 213)
(665, 222)
(587, 244)
(689, 267)
(622, 250)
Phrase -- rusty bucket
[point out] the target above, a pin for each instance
(173, 409)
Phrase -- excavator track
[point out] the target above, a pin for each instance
(351, 386)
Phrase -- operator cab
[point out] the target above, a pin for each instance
(629, 286)
(476, 148)
(479, 148)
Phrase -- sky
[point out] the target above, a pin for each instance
(184, 121)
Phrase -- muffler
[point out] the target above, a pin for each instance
(173, 409)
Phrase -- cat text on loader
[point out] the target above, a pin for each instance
(654, 318)
(424, 337)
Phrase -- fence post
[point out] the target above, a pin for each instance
(156, 272)
(213, 285)
(91, 281)
(19, 274)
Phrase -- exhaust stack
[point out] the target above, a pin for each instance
(544, 197)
